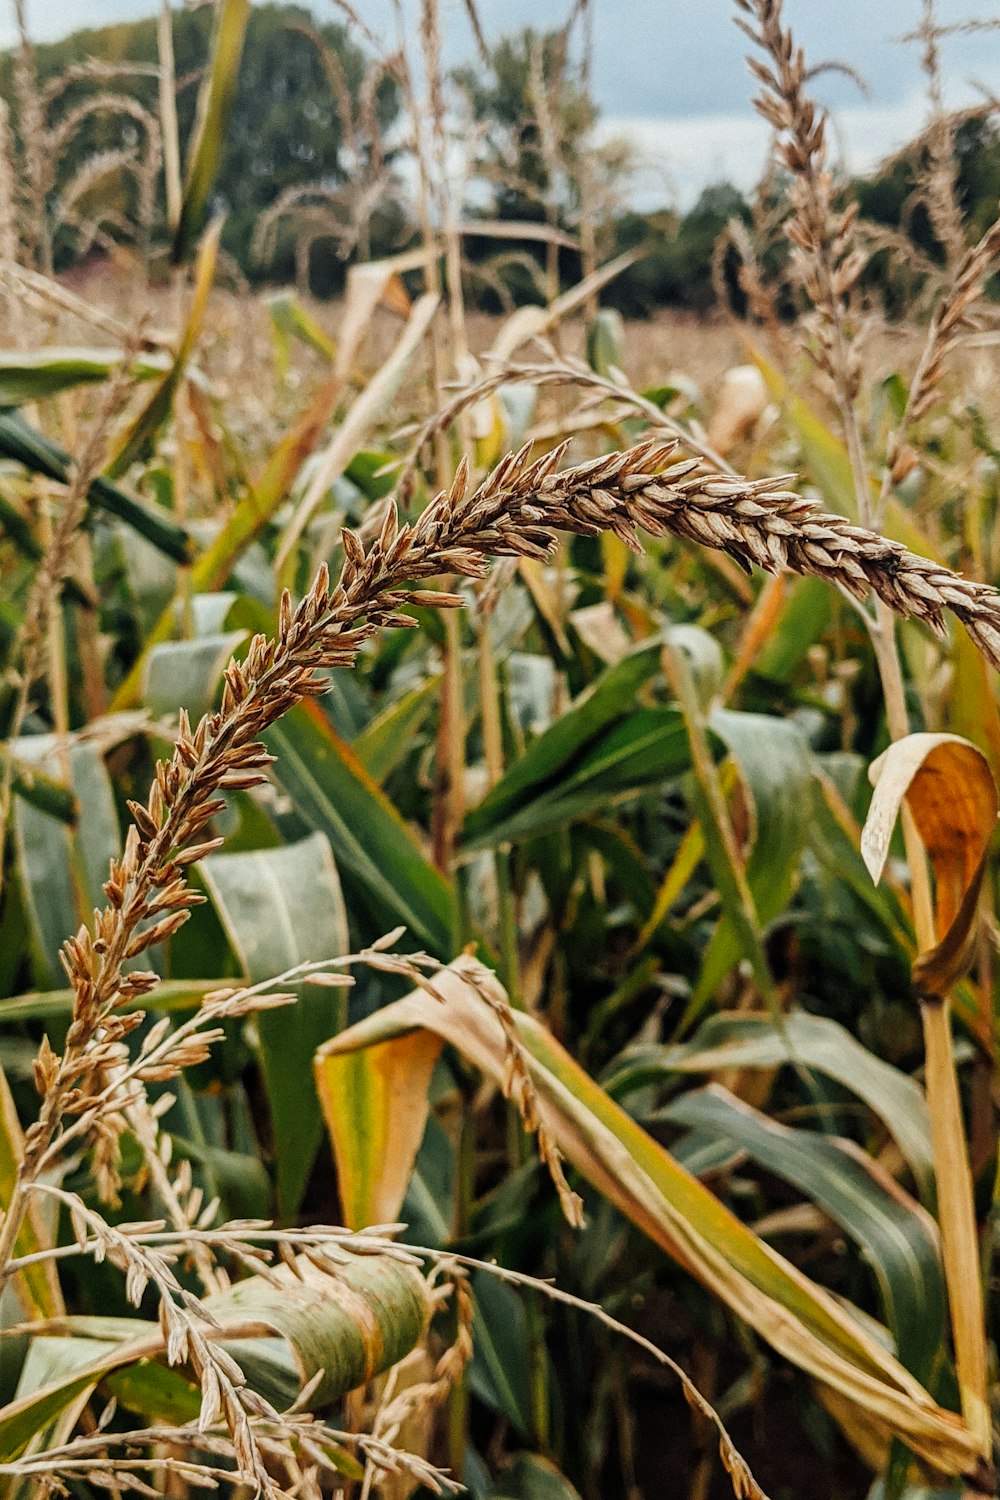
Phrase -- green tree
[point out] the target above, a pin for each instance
(286, 126)
(535, 119)
(676, 265)
(895, 199)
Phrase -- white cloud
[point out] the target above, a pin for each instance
(681, 92)
(679, 157)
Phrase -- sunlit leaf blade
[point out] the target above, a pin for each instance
(37, 1289)
(289, 319)
(824, 452)
(896, 1236)
(281, 907)
(376, 1116)
(972, 709)
(635, 1173)
(136, 443)
(214, 103)
(49, 1361)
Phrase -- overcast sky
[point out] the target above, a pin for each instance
(671, 74)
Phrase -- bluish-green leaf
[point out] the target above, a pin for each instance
(186, 674)
(731, 1040)
(896, 1236)
(62, 869)
(378, 858)
(281, 907)
(776, 770)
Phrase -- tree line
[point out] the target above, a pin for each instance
(315, 169)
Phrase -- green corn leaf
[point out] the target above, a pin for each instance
(37, 1287)
(281, 907)
(189, 672)
(498, 1372)
(384, 742)
(137, 442)
(728, 1040)
(34, 374)
(44, 792)
(214, 104)
(540, 775)
(289, 320)
(644, 749)
(27, 446)
(897, 1237)
(346, 1328)
(637, 1175)
(532, 1477)
(775, 767)
(606, 342)
(383, 870)
(55, 1005)
(62, 869)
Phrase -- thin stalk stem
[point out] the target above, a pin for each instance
(720, 839)
(489, 706)
(955, 1198)
(168, 115)
(449, 797)
(465, 1181)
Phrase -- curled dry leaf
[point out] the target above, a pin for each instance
(949, 789)
(798, 1317)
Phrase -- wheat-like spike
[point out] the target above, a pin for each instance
(951, 319)
(825, 259)
(515, 512)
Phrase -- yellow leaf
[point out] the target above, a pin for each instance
(636, 1174)
(949, 789)
(375, 1105)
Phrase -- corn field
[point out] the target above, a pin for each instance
(498, 966)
